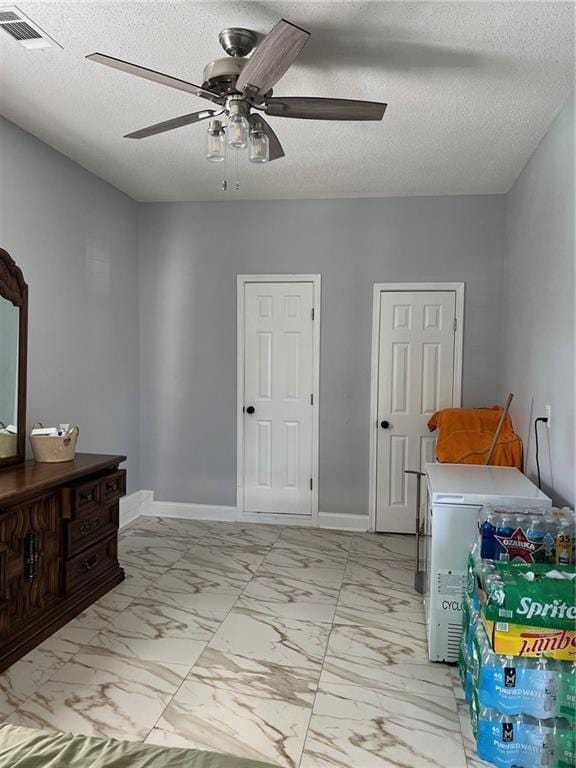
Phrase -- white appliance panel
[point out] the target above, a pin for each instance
(478, 484)
(451, 526)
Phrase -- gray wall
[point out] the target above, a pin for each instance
(537, 350)
(76, 239)
(190, 255)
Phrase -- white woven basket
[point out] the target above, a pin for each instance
(8, 445)
(51, 450)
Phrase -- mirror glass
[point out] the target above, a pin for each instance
(9, 330)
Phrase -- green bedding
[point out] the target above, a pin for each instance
(28, 748)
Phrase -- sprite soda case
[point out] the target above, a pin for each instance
(479, 571)
(533, 595)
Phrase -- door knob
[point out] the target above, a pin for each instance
(250, 409)
(384, 424)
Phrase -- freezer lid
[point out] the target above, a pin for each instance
(478, 484)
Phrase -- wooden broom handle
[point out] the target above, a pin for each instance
(499, 428)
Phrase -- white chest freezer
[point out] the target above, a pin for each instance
(456, 494)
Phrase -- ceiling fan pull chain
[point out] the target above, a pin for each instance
(237, 172)
(225, 179)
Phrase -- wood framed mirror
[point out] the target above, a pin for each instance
(13, 357)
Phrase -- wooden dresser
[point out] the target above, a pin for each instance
(58, 545)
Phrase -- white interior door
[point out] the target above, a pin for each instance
(278, 403)
(415, 379)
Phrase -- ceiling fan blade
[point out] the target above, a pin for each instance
(156, 77)
(169, 125)
(310, 108)
(274, 147)
(272, 58)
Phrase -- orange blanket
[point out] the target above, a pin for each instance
(466, 435)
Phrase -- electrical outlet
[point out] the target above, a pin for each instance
(547, 410)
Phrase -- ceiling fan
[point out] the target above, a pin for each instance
(242, 89)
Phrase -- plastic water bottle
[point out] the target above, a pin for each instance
(548, 684)
(487, 530)
(548, 749)
(536, 532)
(549, 541)
(564, 544)
(570, 516)
(504, 530)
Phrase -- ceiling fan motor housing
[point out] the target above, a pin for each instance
(220, 75)
(237, 41)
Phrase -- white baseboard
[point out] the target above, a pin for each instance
(263, 518)
(191, 511)
(146, 501)
(143, 503)
(130, 507)
(333, 521)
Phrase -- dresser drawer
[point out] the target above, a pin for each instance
(86, 497)
(113, 486)
(90, 526)
(101, 490)
(91, 564)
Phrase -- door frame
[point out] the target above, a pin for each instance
(242, 280)
(459, 289)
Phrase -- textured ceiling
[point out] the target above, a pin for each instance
(471, 88)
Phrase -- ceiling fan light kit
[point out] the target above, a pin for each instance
(242, 130)
(259, 144)
(238, 130)
(238, 127)
(239, 85)
(215, 142)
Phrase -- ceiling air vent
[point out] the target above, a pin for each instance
(22, 29)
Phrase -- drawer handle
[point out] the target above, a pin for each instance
(31, 555)
(87, 496)
(89, 563)
(112, 486)
(90, 525)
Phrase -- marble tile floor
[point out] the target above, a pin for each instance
(304, 648)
